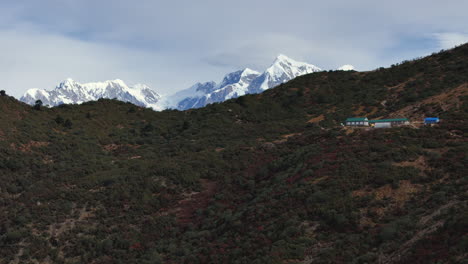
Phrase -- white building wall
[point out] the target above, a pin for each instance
(383, 125)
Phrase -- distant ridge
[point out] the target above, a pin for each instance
(233, 85)
(240, 83)
(72, 92)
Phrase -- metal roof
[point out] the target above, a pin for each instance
(389, 120)
(356, 119)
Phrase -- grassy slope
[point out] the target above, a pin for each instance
(245, 181)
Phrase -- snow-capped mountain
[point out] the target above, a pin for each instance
(346, 67)
(72, 92)
(239, 83)
(233, 85)
(282, 70)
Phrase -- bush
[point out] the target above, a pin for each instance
(59, 120)
(388, 232)
(37, 105)
(13, 236)
(68, 123)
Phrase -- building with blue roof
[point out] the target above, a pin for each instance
(431, 120)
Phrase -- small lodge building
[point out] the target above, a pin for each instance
(386, 123)
(380, 123)
(357, 121)
(431, 120)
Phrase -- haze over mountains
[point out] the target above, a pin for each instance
(235, 84)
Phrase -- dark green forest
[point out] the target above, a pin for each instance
(264, 178)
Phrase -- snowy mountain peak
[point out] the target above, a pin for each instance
(242, 82)
(346, 67)
(35, 92)
(283, 69)
(282, 60)
(118, 82)
(237, 76)
(69, 82)
(205, 87)
(284, 64)
(248, 71)
(282, 57)
(72, 92)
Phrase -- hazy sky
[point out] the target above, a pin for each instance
(170, 45)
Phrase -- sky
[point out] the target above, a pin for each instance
(170, 45)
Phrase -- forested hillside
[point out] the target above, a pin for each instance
(265, 178)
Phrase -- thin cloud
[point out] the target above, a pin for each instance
(451, 39)
(33, 59)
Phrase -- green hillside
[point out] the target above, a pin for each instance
(267, 178)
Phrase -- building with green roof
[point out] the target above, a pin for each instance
(357, 121)
(377, 123)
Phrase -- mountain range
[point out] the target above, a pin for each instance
(235, 84)
(72, 92)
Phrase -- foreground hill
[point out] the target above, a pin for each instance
(266, 178)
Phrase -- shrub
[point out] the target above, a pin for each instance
(59, 119)
(68, 123)
(37, 105)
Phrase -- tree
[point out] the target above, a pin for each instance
(59, 119)
(2, 93)
(185, 125)
(242, 101)
(68, 123)
(38, 105)
(131, 110)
